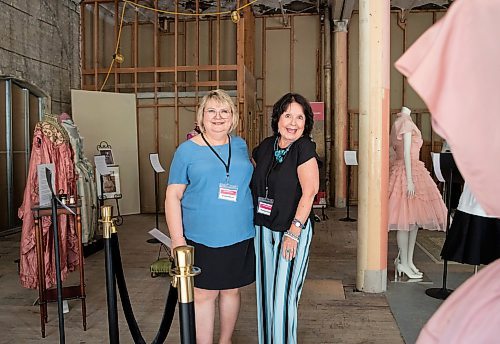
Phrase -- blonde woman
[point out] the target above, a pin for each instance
(208, 205)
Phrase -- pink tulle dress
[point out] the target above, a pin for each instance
(425, 210)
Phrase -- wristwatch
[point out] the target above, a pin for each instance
(298, 224)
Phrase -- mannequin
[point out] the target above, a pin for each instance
(414, 200)
(407, 239)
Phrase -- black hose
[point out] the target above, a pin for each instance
(168, 313)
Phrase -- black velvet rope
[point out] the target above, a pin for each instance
(168, 312)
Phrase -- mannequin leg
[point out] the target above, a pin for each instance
(403, 239)
(412, 239)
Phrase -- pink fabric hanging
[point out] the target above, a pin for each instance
(49, 146)
(455, 67)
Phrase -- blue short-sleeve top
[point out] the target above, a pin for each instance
(207, 219)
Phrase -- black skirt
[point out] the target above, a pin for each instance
(225, 267)
(472, 239)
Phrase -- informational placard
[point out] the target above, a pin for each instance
(43, 186)
(100, 165)
(436, 163)
(350, 158)
(163, 238)
(155, 162)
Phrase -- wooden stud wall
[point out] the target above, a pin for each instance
(169, 68)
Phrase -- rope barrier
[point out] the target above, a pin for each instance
(115, 277)
(168, 312)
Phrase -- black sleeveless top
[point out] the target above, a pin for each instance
(283, 181)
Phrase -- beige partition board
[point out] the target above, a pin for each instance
(111, 117)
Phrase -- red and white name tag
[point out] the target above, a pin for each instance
(265, 205)
(228, 192)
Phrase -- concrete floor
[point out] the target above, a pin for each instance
(330, 310)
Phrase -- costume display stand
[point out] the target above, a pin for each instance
(446, 169)
(350, 160)
(60, 293)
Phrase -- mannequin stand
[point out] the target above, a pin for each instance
(348, 218)
(450, 170)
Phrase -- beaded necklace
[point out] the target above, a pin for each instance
(279, 153)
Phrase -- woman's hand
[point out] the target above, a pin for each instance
(288, 248)
(178, 241)
(410, 189)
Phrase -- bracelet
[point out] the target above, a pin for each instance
(292, 236)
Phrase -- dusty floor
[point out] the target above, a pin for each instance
(330, 310)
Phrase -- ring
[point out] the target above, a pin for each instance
(288, 250)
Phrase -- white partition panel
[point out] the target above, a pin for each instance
(111, 117)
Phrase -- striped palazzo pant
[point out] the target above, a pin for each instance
(279, 285)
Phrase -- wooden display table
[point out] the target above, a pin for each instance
(70, 292)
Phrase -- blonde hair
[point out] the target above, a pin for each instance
(221, 97)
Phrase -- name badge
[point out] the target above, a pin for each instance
(265, 205)
(228, 192)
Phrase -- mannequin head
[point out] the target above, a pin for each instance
(405, 111)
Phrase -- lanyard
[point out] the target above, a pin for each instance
(218, 156)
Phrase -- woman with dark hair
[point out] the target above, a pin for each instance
(284, 183)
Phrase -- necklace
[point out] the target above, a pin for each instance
(279, 153)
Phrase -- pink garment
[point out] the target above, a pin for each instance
(471, 314)
(62, 117)
(455, 67)
(49, 146)
(427, 209)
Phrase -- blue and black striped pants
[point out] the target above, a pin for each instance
(279, 285)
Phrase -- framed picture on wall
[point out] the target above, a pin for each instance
(111, 183)
(108, 153)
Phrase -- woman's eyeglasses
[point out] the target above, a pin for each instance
(223, 113)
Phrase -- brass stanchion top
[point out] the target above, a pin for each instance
(107, 221)
(106, 212)
(184, 257)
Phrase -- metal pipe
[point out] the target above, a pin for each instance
(327, 99)
(27, 135)
(340, 174)
(10, 154)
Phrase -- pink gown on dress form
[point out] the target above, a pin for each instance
(49, 146)
(425, 210)
(455, 68)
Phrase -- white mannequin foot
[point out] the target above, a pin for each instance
(407, 271)
(414, 268)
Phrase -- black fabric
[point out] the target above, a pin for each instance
(283, 181)
(225, 267)
(472, 239)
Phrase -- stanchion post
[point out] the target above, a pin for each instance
(183, 280)
(58, 270)
(107, 229)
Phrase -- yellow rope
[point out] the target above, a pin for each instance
(125, 2)
(116, 48)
